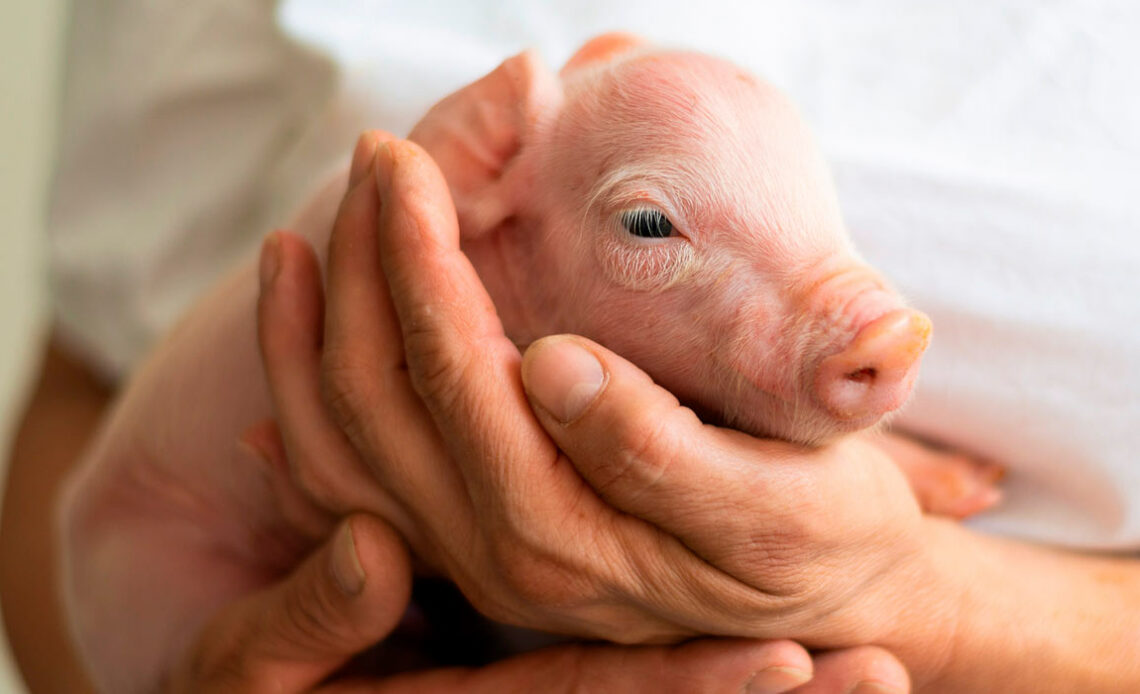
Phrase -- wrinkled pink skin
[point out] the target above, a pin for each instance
(758, 313)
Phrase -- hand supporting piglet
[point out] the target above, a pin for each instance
(292, 637)
(290, 317)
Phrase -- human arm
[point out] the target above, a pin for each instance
(59, 420)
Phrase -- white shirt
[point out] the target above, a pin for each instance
(987, 158)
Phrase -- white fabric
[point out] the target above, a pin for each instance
(986, 156)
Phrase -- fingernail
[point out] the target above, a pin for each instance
(874, 688)
(346, 566)
(270, 262)
(563, 377)
(776, 680)
(362, 157)
(384, 162)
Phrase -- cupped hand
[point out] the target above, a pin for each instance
(756, 537)
(443, 422)
(350, 593)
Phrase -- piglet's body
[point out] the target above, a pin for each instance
(665, 204)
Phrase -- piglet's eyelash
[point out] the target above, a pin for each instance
(647, 223)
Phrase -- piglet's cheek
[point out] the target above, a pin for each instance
(645, 267)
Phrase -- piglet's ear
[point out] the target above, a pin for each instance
(602, 49)
(478, 136)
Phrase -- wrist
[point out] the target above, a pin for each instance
(928, 605)
(1010, 617)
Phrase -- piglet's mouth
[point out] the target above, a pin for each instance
(766, 416)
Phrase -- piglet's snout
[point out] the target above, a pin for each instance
(874, 374)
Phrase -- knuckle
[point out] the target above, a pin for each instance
(540, 587)
(319, 484)
(348, 390)
(534, 581)
(305, 620)
(642, 454)
(437, 367)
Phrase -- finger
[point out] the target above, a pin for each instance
(862, 670)
(344, 598)
(730, 666)
(366, 385)
(643, 452)
(458, 356)
(360, 322)
(289, 315)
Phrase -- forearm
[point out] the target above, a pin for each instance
(59, 421)
(1032, 619)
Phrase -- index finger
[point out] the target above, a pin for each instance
(459, 358)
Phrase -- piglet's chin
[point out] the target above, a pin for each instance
(805, 427)
(766, 416)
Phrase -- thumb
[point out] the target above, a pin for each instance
(648, 456)
(344, 598)
(629, 438)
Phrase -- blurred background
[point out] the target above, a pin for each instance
(30, 52)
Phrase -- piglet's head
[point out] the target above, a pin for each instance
(676, 209)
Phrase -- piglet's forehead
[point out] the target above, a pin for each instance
(681, 99)
(743, 153)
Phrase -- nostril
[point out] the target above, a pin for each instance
(865, 375)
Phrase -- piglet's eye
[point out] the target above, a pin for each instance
(647, 223)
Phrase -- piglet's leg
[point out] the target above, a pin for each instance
(946, 482)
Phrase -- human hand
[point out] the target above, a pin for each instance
(293, 636)
(462, 521)
(820, 542)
